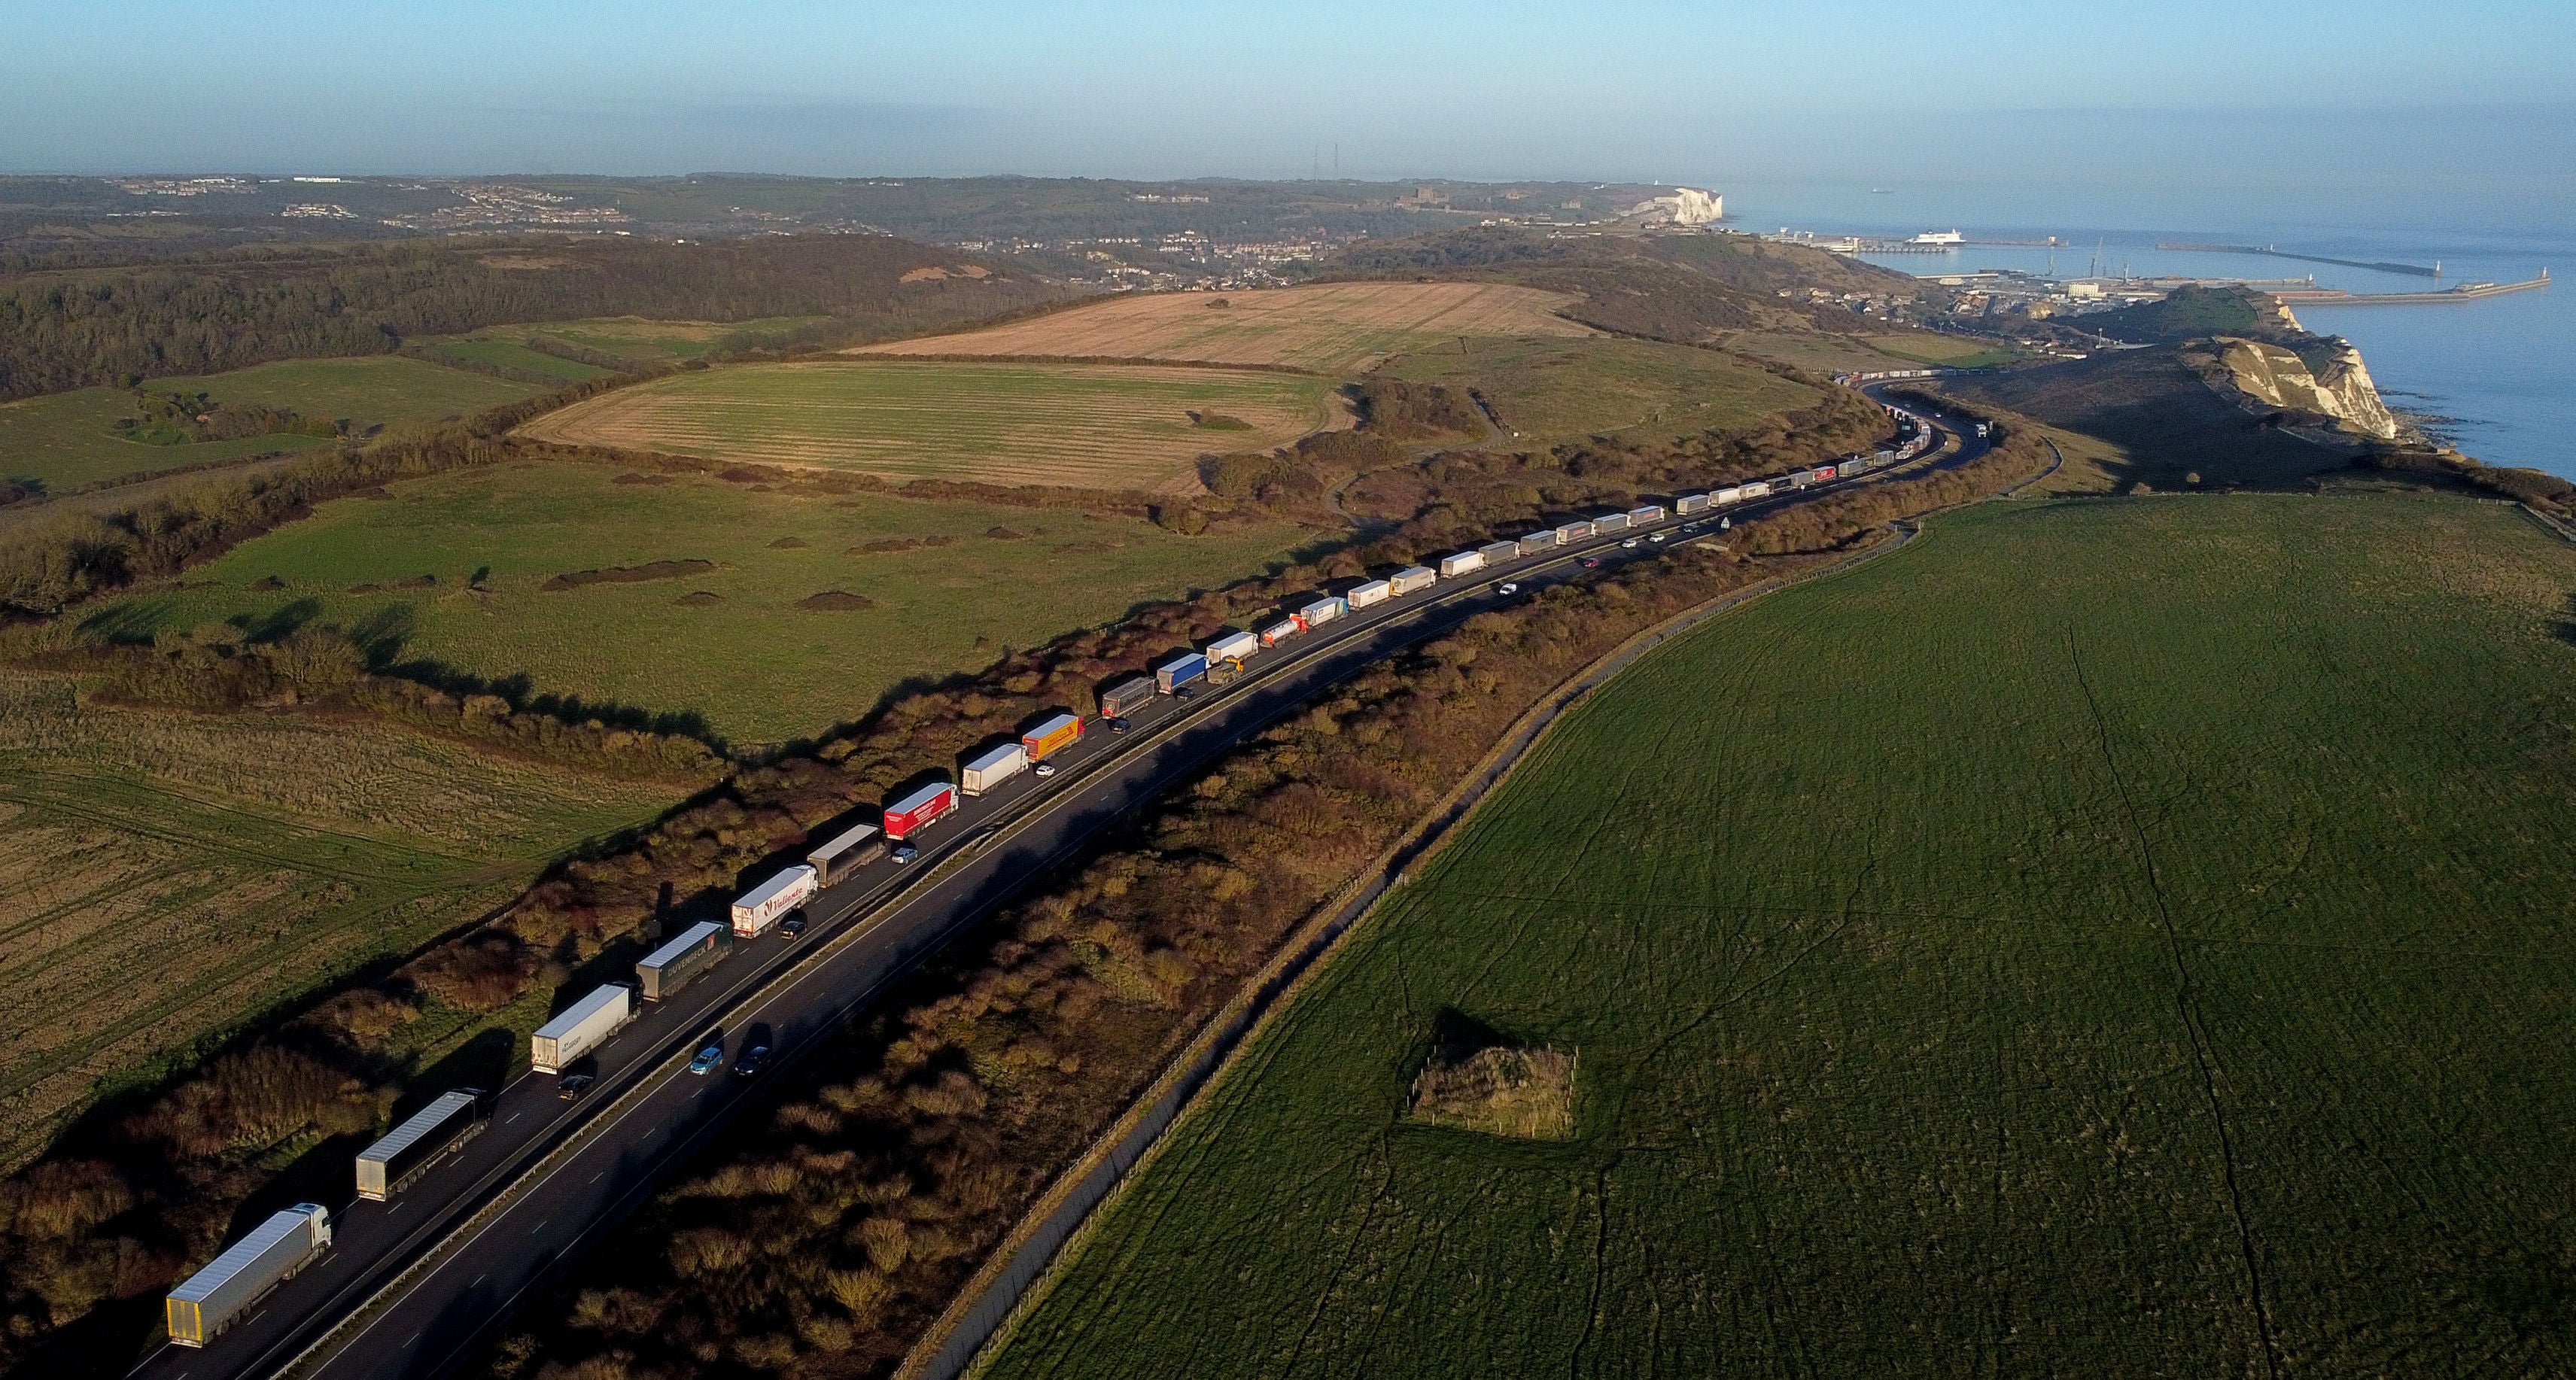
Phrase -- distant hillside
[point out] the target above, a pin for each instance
(77, 328)
(1686, 289)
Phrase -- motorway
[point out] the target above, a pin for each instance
(579, 1167)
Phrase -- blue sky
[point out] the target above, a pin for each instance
(2176, 92)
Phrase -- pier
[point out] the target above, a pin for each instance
(2465, 292)
(2414, 270)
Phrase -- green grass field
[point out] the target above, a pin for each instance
(2102, 939)
(1557, 389)
(165, 876)
(759, 666)
(1827, 354)
(1084, 426)
(468, 352)
(66, 439)
(626, 337)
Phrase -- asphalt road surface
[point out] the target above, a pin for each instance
(865, 934)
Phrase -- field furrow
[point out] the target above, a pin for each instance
(1332, 328)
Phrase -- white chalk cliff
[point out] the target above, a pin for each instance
(2271, 377)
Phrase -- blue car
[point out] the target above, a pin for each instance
(707, 1060)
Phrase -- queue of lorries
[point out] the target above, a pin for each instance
(220, 1294)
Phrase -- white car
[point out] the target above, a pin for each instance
(1658, 537)
(1044, 769)
(1507, 587)
(1632, 541)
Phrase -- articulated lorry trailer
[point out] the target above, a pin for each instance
(582, 1027)
(1179, 671)
(408, 1150)
(989, 769)
(1052, 735)
(919, 810)
(666, 970)
(765, 905)
(1233, 646)
(217, 1296)
(1126, 697)
(846, 853)
(1411, 578)
(1323, 611)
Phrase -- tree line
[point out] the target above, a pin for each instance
(78, 328)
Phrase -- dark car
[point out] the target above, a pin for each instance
(791, 927)
(750, 1061)
(1117, 725)
(1186, 692)
(1592, 562)
(904, 853)
(574, 1085)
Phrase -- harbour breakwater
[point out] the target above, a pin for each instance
(2465, 292)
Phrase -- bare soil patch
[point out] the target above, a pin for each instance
(836, 599)
(629, 574)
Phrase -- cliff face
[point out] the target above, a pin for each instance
(2268, 377)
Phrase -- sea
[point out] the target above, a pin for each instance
(2491, 376)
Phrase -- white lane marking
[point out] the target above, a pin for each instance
(510, 1118)
(541, 1226)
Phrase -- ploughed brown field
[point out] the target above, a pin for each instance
(1330, 328)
